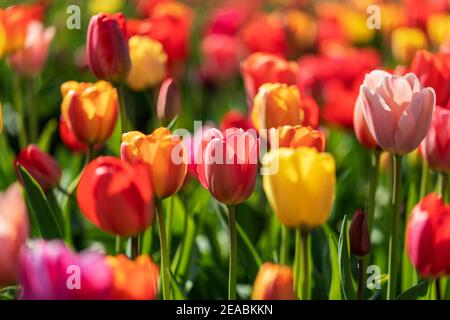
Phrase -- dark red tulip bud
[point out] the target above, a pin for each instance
(359, 234)
(169, 104)
(107, 47)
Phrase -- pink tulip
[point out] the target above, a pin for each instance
(13, 232)
(50, 270)
(229, 165)
(398, 110)
(362, 132)
(30, 60)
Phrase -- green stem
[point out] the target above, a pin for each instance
(123, 108)
(395, 219)
(443, 181)
(305, 266)
(284, 250)
(438, 289)
(375, 165)
(298, 250)
(33, 114)
(20, 116)
(424, 180)
(119, 245)
(165, 263)
(134, 247)
(302, 285)
(89, 155)
(361, 279)
(233, 253)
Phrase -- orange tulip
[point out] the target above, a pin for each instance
(133, 280)
(273, 282)
(90, 110)
(298, 136)
(164, 155)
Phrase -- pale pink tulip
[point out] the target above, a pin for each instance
(398, 110)
(31, 58)
(13, 232)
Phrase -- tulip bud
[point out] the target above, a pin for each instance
(107, 47)
(273, 282)
(13, 232)
(169, 101)
(70, 139)
(164, 156)
(133, 280)
(116, 196)
(41, 166)
(47, 270)
(90, 110)
(229, 165)
(297, 136)
(359, 234)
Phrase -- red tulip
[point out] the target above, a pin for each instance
(435, 148)
(227, 21)
(116, 196)
(41, 166)
(433, 70)
(428, 237)
(229, 165)
(235, 119)
(107, 47)
(69, 138)
(359, 234)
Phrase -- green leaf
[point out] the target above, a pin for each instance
(46, 136)
(335, 287)
(347, 284)
(178, 293)
(42, 212)
(415, 292)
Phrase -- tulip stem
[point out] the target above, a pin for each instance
(375, 165)
(302, 285)
(123, 108)
(438, 289)
(165, 263)
(395, 220)
(424, 179)
(443, 180)
(134, 247)
(284, 250)
(233, 253)
(361, 279)
(18, 104)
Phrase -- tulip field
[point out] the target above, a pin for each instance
(224, 150)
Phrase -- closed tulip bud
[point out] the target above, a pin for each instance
(428, 236)
(49, 271)
(273, 282)
(229, 165)
(397, 109)
(90, 110)
(260, 68)
(13, 232)
(360, 127)
(359, 235)
(41, 166)
(435, 148)
(298, 136)
(278, 105)
(133, 280)
(433, 70)
(405, 43)
(70, 139)
(107, 47)
(116, 196)
(169, 101)
(148, 63)
(301, 191)
(164, 156)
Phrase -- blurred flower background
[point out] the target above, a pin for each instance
(354, 93)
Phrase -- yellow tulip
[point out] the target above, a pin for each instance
(148, 63)
(438, 27)
(301, 192)
(110, 6)
(405, 43)
(355, 26)
(301, 27)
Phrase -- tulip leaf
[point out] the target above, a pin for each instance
(347, 284)
(335, 287)
(177, 291)
(173, 122)
(40, 208)
(46, 136)
(415, 292)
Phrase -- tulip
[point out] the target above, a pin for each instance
(169, 101)
(397, 109)
(260, 68)
(235, 119)
(359, 234)
(111, 6)
(107, 47)
(30, 59)
(133, 280)
(433, 70)
(301, 28)
(298, 136)
(116, 196)
(438, 27)
(50, 270)
(148, 63)
(301, 192)
(90, 110)
(273, 282)
(405, 43)
(41, 166)
(70, 139)
(428, 237)
(226, 20)
(435, 148)
(360, 127)
(278, 105)
(195, 145)
(13, 232)
(229, 165)
(164, 156)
